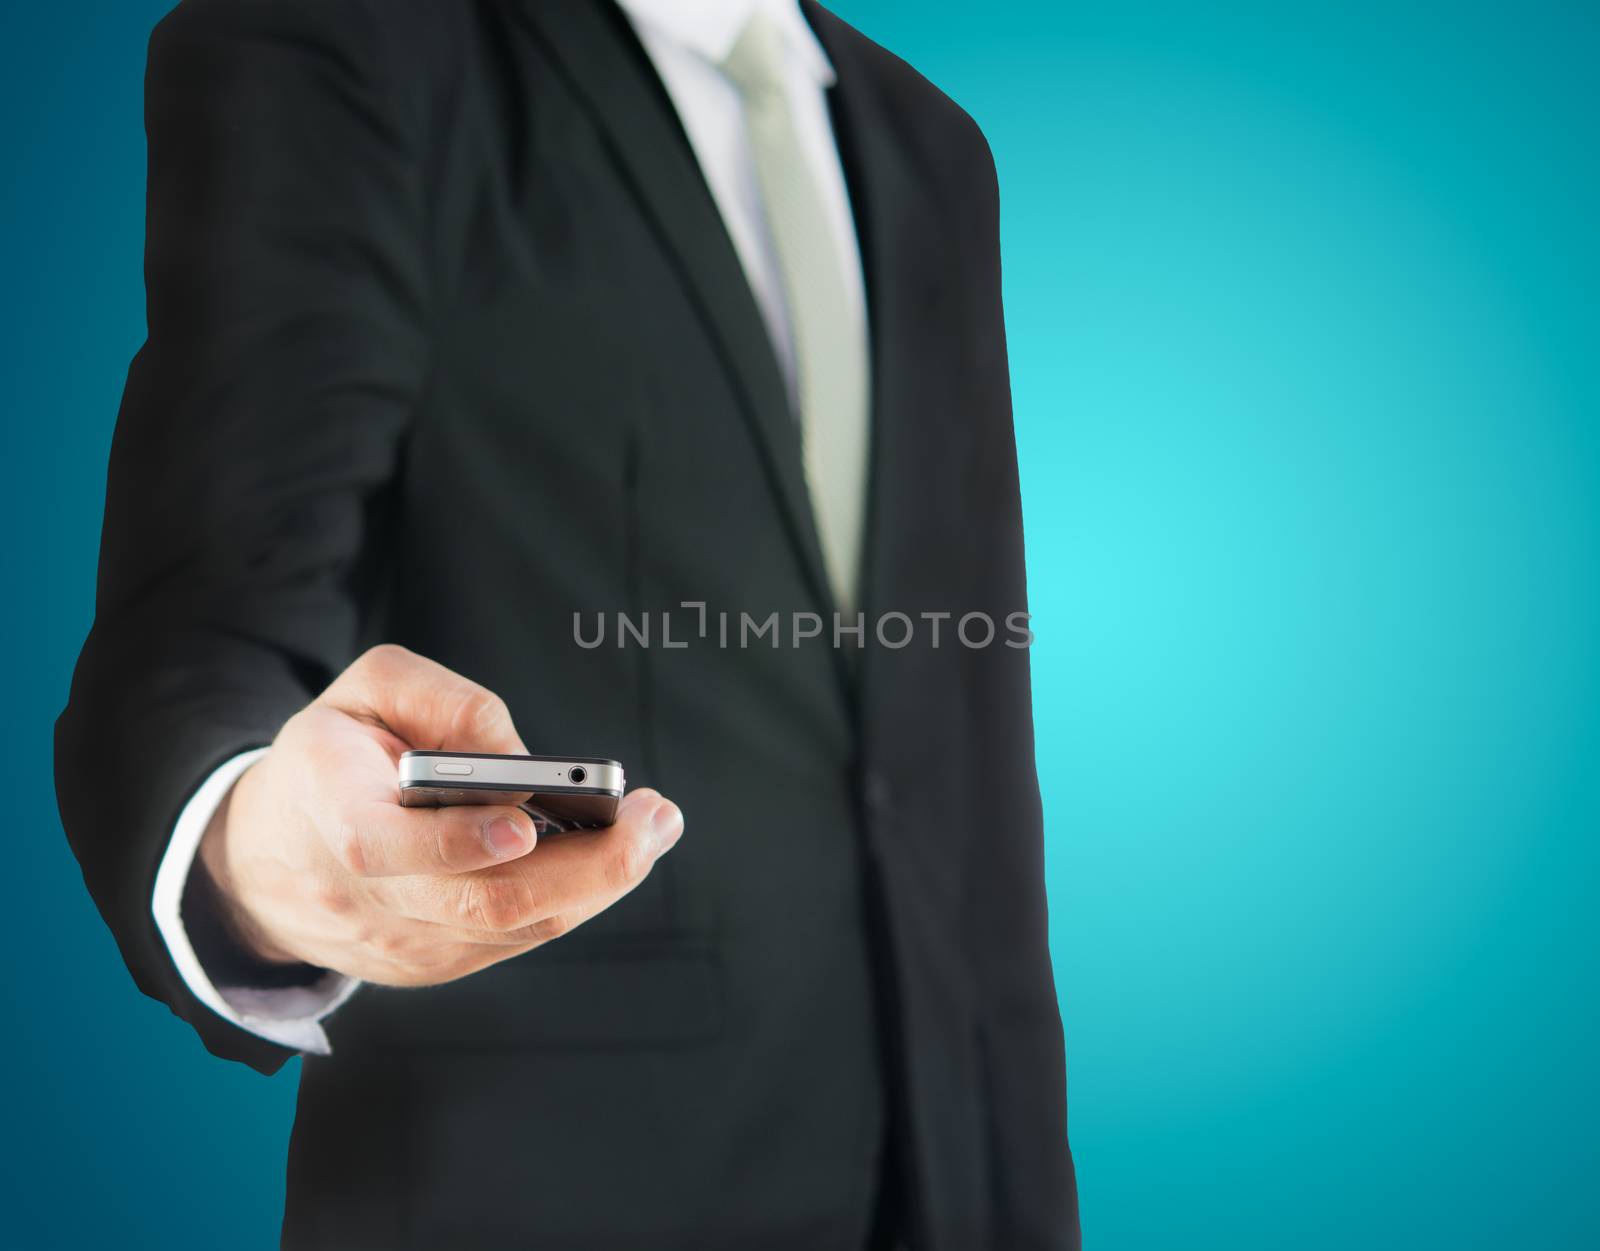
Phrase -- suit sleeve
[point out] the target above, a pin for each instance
(1020, 1033)
(262, 420)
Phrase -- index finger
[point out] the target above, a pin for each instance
(423, 703)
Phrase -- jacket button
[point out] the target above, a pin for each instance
(879, 794)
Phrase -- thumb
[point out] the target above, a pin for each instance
(427, 706)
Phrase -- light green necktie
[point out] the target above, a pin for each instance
(831, 369)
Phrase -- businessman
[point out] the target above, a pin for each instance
(473, 327)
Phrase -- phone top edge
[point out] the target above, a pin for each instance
(489, 755)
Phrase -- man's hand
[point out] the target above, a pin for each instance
(320, 863)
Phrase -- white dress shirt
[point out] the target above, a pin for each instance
(686, 41)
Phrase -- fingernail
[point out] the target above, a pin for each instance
(666, 824)
(504, 837)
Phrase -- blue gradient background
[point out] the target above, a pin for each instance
(1302, 310)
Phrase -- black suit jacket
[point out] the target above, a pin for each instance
(447, 343)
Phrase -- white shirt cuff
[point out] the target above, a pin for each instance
(291, 1015)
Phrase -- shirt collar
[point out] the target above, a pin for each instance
(710, 28)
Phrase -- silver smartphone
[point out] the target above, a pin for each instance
(559, 792)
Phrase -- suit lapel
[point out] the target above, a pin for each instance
(612, 75)
(900, 259)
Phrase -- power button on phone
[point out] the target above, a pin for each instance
(454, 770)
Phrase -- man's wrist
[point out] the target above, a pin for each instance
(216, 895)
(227, 957)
